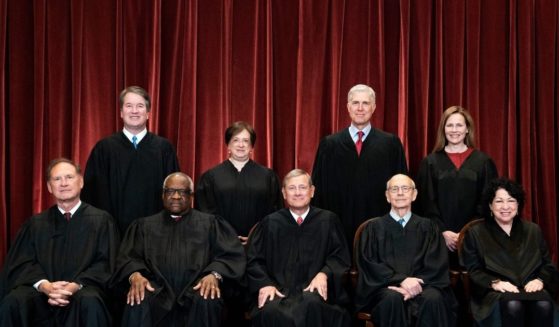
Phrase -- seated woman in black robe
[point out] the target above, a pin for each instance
(508, 261)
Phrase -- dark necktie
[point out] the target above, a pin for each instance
(402, 221)
(135, 141)
(299, 220)
(67, 216)
(359, 142)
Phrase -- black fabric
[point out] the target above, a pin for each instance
(127, 182)
(452, 195)
(174, 256)
(354, 186)
(82, 250)
(489, 254)
(387, 255)
(288, 256)
(242, 198)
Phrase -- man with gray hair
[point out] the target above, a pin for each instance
(297, 257)
(175, 262)
(351, 166)
(403, 265)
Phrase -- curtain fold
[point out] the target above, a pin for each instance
(283, 66)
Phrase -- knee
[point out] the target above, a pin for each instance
(512, 308)
(543, 308)
(89, 300)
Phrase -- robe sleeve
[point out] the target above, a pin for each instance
(276, 197)
(320, 180)
(106, 250)
(427, 190)
(257, 272)
(488, 173)
(131, 257)
(229, 257)
(472, 260)
(337, 264)
(21, 266)
(170, 160)
(373, 273)
(205, 200)
(548, 271)
(434, 268)
(97, 190)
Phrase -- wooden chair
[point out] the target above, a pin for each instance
(354, 273)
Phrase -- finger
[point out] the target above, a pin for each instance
(149, 287)
(279, 294)
(197, 286)
(307, 288)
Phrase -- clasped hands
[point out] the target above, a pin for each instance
(409, 287)
(58, 292)
(208, 287)
(319, 283)
(532, 286)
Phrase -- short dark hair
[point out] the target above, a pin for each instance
(61, 160)
(514, 189)
(136, 90)
(238, 127)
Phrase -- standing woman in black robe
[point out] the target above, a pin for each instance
(239, 190)
(512, 277)
(451, 179)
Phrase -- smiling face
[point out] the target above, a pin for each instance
(361, 108)
(298, 192)
(401, 192)
(240, 146)
(504, 207)
(177, 195)
(134, 112)
(455, 129)
(65, 183)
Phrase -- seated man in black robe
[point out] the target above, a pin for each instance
(403, 265)
(175, 261)
(297, 257)
(61, 261)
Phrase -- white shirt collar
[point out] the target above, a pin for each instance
(140, 135)
(353, 132)
(73, 210)
(304, 215)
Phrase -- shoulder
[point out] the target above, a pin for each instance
(323, 214)
(112, 140)
(158, 140)
(335, 137)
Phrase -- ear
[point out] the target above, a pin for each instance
(387, 198)
(414, 195)
(284, 192)
(312, 191)
(49, 187)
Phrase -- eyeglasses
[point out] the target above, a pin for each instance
(294, 188)
(171, 191)
(404, 188)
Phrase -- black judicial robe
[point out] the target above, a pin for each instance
(82, 250)
(288, 256)
(242, 198)
(353, 186)
(489, 254)
(125, 181)
(449, 195)
(388, 254)
(175, 255)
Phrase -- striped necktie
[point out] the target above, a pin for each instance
(135, 141)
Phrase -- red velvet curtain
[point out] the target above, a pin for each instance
(284, 66)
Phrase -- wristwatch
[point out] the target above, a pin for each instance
(217, 275)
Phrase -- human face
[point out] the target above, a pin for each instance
(455, 129)
(361, 108)
(401, 193)
(65, 184)
(239, 146)
(504, 207)
(134, 112)
(298, 193)
(175, 202)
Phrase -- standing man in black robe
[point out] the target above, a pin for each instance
(297, 257)
(176, 261)
(57, 270)
(352, 166)
(124, 171)
(403, 265)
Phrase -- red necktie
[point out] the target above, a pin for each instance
(299, 220)
(359, 142)
(67, 215)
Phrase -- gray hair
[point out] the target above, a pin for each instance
(361, 88)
